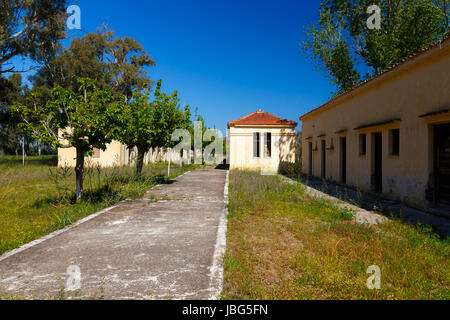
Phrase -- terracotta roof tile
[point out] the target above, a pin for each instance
(261, 117)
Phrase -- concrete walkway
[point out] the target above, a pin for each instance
(167, 245)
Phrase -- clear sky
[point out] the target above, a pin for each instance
(226, 57)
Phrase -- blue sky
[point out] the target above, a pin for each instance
(226, 57)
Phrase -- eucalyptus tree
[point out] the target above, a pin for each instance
(117, 62)
(28, 27)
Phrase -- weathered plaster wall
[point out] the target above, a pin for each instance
(241, 147)
(111, 156)
(419, 86)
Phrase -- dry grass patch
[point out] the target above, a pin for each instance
(283, 245)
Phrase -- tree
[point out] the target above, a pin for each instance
(85, 120)
(126, 60)
(82, 59)
(134, 131)
(115, 62)
(341, 40)
(298, 146)
(150, 124)
(11, 90)
(26, 27)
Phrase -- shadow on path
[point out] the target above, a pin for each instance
(373, 202)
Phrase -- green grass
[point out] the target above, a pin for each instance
(281, 244)
(16, 161)
(39, 198)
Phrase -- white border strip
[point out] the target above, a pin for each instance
(216, 270)
(33, 243)
(55, 233)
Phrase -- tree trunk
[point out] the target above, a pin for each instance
(79, 168)
(139, 163)
(23, 151)
(181, 160)
(170, 158)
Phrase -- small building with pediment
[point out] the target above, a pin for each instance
(261, 141)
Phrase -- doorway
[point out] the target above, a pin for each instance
(310, 153)
(377, 158)
(343, 150)
(442, 163)
(324, 159)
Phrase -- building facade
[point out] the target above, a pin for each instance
(390, 134)
(118, 154)
(261, 140)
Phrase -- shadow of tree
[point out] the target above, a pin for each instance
(371, 201)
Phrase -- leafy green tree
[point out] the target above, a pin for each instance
(84, 120)
(149, 124)
(115, 63)
(341, 40)
(134, 130)
(27, 27)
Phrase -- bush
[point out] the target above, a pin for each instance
(290, 168)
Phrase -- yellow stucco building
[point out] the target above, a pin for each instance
(261, 140)
(116, 154)
(390, 134)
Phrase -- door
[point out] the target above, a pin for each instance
(377, 158)
(343, 148)
(324, 159)
(442, 163)
(310, 152)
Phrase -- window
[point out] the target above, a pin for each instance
(362, 144)
(96, 153)
(394, 142)
(268, 144)
(256, 145)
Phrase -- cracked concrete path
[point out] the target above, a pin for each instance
(164, 246)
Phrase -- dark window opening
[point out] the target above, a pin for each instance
(395, 142)
(268, 146)
(256, 145)
(362, 144)
(377, 162)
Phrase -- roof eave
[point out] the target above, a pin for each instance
(374, 79)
